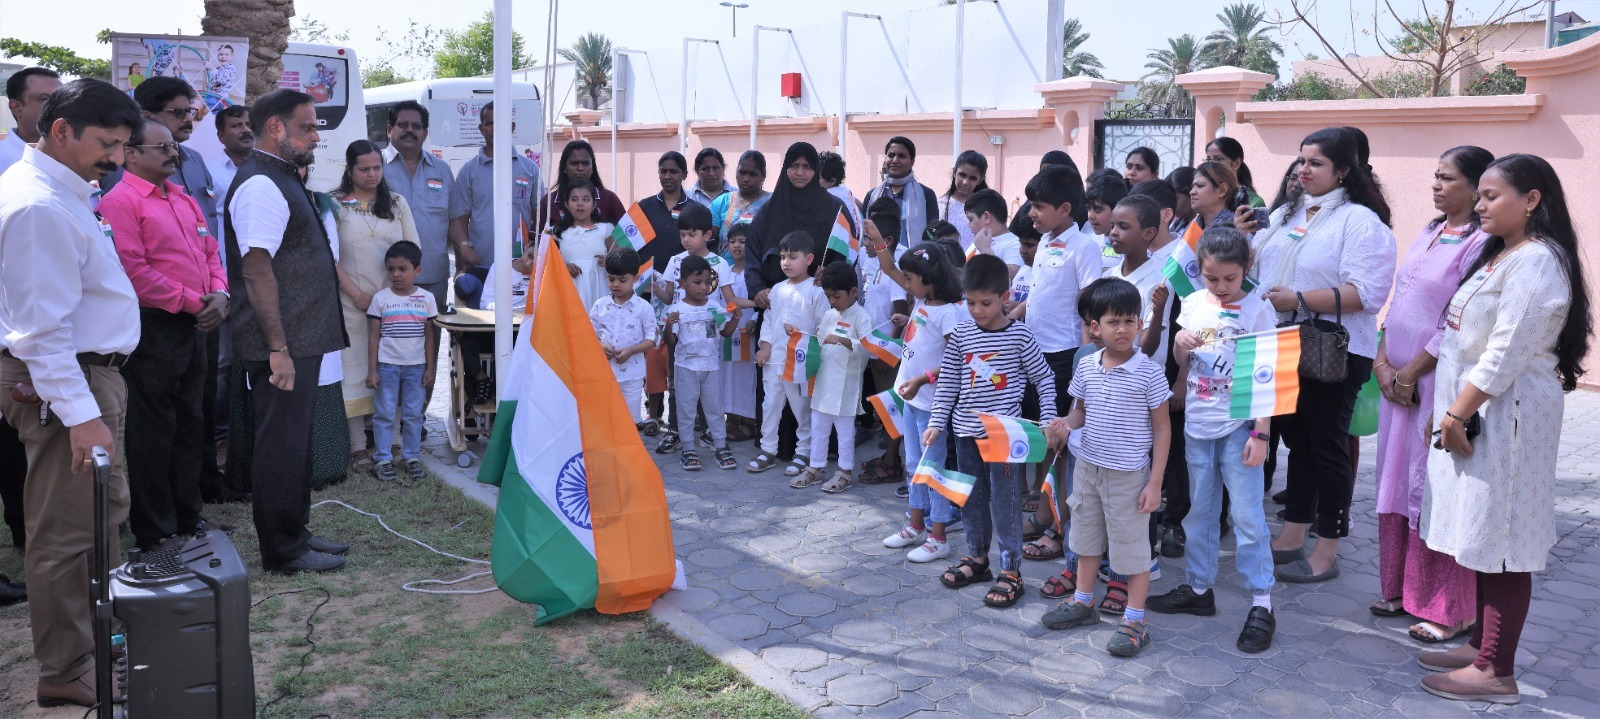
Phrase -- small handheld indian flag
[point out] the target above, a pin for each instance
(1266, 374)
(950, 484)
(736, 348)
(1011, 440)
(804, 359)
(1051, 490)
(891, 409)
(840, 240)
(1182, 269)
(633, 231)
(647, 275)
(886, 348)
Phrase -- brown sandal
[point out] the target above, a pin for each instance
(806, 478)
(360, 462)
(840, 482)
(1047, 547)
(1008, 587)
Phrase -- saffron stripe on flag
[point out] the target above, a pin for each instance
(886, 348)
(1266, 374)
(891, 410)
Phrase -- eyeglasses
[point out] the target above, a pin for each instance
(183, 113)
(169, 148)
(410, 126)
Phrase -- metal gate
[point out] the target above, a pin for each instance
(1167, 129)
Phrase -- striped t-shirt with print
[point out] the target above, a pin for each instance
(402, 333)
(1117, 403)
(991, 368)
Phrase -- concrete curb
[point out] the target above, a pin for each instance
(746, 662)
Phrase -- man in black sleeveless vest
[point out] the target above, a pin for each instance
(285, 317)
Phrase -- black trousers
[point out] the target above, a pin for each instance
(214, 409)
(13, 476)
(281, 463)
(1318, 435)
(167, 434)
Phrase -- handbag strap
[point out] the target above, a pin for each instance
(1338, 310)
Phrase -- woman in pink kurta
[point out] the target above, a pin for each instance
(1415, 579)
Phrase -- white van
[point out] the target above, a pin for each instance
(453, 105)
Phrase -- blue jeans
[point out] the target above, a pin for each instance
(398, 386)
(994, 507)
(935, 508)
(1214, 464)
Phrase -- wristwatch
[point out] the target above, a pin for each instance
(1258, 435)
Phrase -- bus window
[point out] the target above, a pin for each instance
(378, 124)
(325, 79)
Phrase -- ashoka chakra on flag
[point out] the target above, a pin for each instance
(572, 492)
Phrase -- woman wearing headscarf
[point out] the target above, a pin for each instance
(919, 204)
(798, 202)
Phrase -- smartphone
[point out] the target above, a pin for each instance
(1241, 198)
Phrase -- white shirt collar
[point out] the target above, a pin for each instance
(57, 171)
(1138, 359)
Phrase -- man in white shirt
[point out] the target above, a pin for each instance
(26, 92)
(68, 320)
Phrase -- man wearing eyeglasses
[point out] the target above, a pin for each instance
(174, 104)
(171, 258)
(424, 180)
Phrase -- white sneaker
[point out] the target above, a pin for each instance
(930, 550)
(906, 537)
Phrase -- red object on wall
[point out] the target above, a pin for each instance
(790, 84)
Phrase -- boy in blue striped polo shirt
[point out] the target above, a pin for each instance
(1120, 401)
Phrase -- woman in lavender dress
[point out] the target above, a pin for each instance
(1414, 579)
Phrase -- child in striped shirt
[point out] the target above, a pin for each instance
(400, 357)
(1120, 401)
(990, 360)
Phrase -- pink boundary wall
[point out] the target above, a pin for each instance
(1558, 118)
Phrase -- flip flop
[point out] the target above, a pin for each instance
(1388, 608)
(1430, 633)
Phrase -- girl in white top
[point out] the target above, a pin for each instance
(1330, 254)
(967, 177)
(584, 243)
(931, 278)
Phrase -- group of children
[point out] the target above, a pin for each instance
(1095, 382)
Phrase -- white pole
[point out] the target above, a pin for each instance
(503, 152)
(961, 34)
(844, 75)
(616, 82)
(755, 80)
(683, 102)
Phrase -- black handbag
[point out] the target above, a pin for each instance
(1325, 346)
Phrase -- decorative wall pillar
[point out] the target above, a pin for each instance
(1217, 93)
(1078, 102)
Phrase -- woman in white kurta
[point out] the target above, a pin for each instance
(1515, 337)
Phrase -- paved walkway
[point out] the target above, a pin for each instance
(845, 627)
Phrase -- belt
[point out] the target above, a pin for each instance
(114, 360)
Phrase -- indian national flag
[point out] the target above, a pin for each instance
(803, 360)
(953, 485)
(736, 348)
(889, 349)
(1266, 374)
(840, 240)
(1050, 492)
(891, 409)
(1011, 440)
(633, 231)
(1183, 267)
(647, 276)
(582, 517)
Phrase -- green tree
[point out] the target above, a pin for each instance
(470, 52)
(1416, 36)
(1073, 62)
(1242, 41)
(60, 59)
(380, 75)
(1160, 85)
(591, 58)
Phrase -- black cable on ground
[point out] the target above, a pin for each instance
(311, 627)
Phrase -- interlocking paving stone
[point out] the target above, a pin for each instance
(842, 612)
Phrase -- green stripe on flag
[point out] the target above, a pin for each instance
(1182, 285)
(842, 246)
(813, 356)
(534, 558)
(1244, 382)
(1037, 446)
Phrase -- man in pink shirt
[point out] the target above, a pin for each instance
(161, 237)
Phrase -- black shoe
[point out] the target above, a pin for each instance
(902, 491)
(1258, 630)
(206, 525)
(1172, 539)
(669, 443)
(311, 561)
(1281, 497)
(1184, 600)
(318, 544)
(12, 592)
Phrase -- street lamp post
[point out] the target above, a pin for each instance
(735, 8)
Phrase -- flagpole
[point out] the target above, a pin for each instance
(501, 163)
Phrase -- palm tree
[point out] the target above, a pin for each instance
(266, 23)
(1074, 63)
(1242, 41)
(1160, 85)
(591, 58)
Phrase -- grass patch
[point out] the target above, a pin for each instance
(382, 652)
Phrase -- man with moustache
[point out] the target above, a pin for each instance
(285, 317)
(424, 180)
(160, 234)
(26, 92)
(173, 103)
(233, 131)
(68, 320)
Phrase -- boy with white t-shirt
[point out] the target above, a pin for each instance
(986, 215)
(1066, 262)
(694, 231)
(626, 326)
(694, 328)
(795, 305)
(400, 357)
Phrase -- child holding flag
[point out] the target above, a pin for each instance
(739, 380)
(1120, 401)
(691, 328)
(694, 231)
(1224, 449)
(786, 355)
(933, 283)
(626, 327)
(837, 399)
(986, 364)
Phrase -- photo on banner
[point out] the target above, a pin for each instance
(213, 66)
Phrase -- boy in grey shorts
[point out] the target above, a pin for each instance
(1120, 401)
